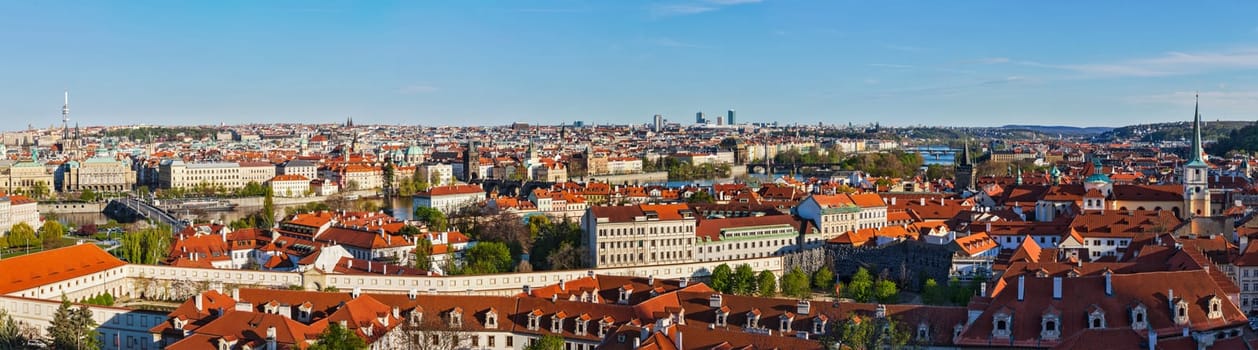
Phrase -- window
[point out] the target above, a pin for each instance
(510, 341)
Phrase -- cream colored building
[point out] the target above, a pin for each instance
(98, 174)
(177, 174)
(23, 175)
(639, 235)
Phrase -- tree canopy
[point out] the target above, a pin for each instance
(722, 277)
(767, 283)
(336, 337)
(547, 342)
(487, 258)
(795, 284)
(73, 328)
(435, 219)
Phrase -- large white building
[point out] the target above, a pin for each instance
(229, 175)
(449, 199)
(639, 235)
(18, 209)
(746, 237)
(97, 174)
(838, 213)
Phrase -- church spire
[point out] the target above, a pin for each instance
(965, 153)
(1197, 151)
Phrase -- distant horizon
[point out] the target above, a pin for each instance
(983, 63)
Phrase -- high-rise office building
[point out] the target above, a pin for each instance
(729, 117)
(659, 123)
(699, 119)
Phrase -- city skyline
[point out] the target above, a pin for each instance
(977, 64)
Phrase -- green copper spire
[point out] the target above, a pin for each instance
(1194, 159)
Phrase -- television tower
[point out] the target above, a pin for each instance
(65, 118)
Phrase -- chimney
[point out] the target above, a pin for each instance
(270, 338)
(989, 228)
(684, 282)
(199, 302)
(368, 265)
(357, 291)
(982, 289)
(714, 301)
(679, 339)
(1153, 339)
(892, 200)
(397, 313)
(1244, 243)
(1056, 288)
(236, 294)
(349, 264)
(1021, 287)
(1185, 332)
(562, 284)
(921, 201)
(384, 269)
(528, 290)
(650, 280)
(1170, 296)
(803, 307)
(1108, 282)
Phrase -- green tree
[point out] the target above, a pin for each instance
(795, 284)
(823, 279)
(744, 280)
(11, 334)
(88, 196)
(147, 246)
(767, 284)
(701, 197)
(547, 342)
(861, 288)
(423, 250)
(488, 257)
(22, 235)
(73, 328)
(39, 190)
(868, 333)
(336, 337)
(723, 278)
(268, 209)
(886, 291)
(51, 233)
(435, 219)
(933, 293)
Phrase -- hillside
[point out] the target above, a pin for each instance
(1211, 130)
(1060, 129)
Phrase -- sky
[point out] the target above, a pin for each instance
(948, 63)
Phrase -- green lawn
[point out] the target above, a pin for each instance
(12, 252)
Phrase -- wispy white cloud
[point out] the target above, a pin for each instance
(694, 7)
(416, 89)
(992, 60)
(1166, 64)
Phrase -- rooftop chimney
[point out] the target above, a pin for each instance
(1109, 283)
(358, 290)
(803, 307)
(982, 289)
(650, 280)
(528, 290)
(1244, 243)
(1153, 339)
(199, 302)
(714, 301)
(679, 339)
(562, 284)
(684, 282)
(1021, 287)
(1056, 288)
(270, 338)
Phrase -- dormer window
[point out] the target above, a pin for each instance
(556, 322)
(1002, 325)
(753, 318)
(784, 322)
(603, 325)
(1096, 318)
(455, 317)
(491, 318)
(1138, 315)
(625, 291)
(923, 331)
(582, 323)
(1050, 325)
(1181, 312)
(1216, 308)
(533, 320)
(417, 316)
(819, 324)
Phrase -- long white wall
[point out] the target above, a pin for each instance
(119, 328)
(153, 278)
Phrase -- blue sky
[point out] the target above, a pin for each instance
(494, 62)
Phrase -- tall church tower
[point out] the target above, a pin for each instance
(1195, 174)
(965, 171)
